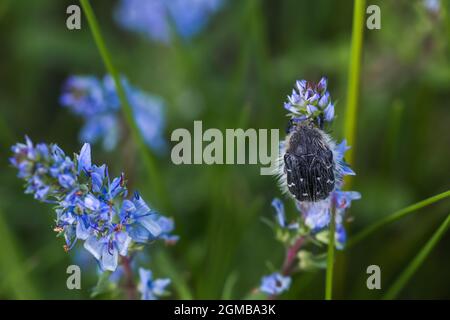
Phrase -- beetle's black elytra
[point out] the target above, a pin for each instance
(309, 164)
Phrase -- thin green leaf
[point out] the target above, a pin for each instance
(164, 263)
(230, 282)
(395, 216)
(403, 279)
(354, 68)
(155, 181)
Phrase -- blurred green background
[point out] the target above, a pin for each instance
(236, 74)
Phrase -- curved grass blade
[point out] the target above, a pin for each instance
(155, 181)
(164, 263)
(402, 280)
(395, 216)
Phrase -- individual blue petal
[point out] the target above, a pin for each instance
(343, 199)
(122, 240)
(138, 233)
(280, 214)
(150, 224)
(317, 214)
(159, 286)
(329, 113)
(91, 202)
(341, 149)
(82, 229)
(311, 109)
(109, 258)
(66, 180)
(84, 159)
(95, 246)
(322, 85)
(150, 288)
(324, 100)
(340, 236)
(97, 177)
(346, 170)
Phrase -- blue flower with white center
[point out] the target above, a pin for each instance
(275, 284)
(154, 18)
(310, 100)
(151, 289)
(102, 122)
(106, 249)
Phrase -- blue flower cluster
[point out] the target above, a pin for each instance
(97, 102)
(154, 18)
(89, 205)
(310, 100)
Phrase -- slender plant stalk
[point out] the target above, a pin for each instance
(396, 216)
(291, 255)
(130, 286)
(354, 69)
(155, 181)
(330, 259)
(402, 280)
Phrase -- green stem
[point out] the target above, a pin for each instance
(330, 259)
(354, 75)
(402, 280)
(155, 181)
(395, 216)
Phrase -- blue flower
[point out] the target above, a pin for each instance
(140, 220)
(83, 95)
(154, 18)
(275, 284)
(310, 101)
(89, 205)
(149, 288)
(106, 249)
(101, 115)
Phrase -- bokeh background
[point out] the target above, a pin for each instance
(236, 73)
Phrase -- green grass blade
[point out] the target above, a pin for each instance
(227, 292)
(165, 264)
(155, 181)
(354, 75)
(395, 216)
(14, 278)
(402, 280)
(330, 259)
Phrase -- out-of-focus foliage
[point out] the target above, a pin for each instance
(236, 73)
